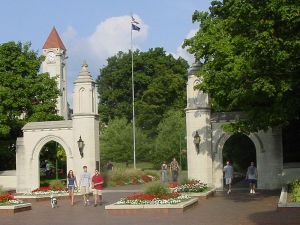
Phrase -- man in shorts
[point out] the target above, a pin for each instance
(97, 181)
(84, 184)
(228, 175)
(251, 176)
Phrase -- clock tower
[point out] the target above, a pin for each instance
(55, 64)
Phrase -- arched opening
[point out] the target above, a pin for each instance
(53, 163)
(240, 151)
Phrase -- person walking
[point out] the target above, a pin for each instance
(72, 184)
(228, 176)
(174, 168)
(109, 166)
(251, 177)
(84, 184)
(48, 168)
(164, 172)
(97, 182)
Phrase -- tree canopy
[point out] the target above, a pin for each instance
(170, 141)
(159, 80)
(116, 142)
(25, 95)
(250, 52)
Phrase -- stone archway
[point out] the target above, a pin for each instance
(218, 155)
(239, 150)
(44, 140)
(35, 156)
(52, 159)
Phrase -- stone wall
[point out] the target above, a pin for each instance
(8, 179)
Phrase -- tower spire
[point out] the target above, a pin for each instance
(54, 41)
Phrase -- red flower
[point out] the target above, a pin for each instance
(42, 189)
(150, 197)
(48, 189)
(6, 197)
(173, 184)
(146, 178)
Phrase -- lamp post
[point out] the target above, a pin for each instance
(80, 146)
(197, 140)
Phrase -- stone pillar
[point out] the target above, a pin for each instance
(22, 168)
(198, 113)
(269, 159)
(85, 121)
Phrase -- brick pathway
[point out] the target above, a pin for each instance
(238, 208)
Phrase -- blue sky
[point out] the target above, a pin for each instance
(94, 30)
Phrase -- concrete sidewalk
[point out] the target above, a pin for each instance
(237, 208)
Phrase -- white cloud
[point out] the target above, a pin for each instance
(182, 52)
(113, 35)
(110, 37)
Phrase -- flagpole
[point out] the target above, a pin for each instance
(133, 113)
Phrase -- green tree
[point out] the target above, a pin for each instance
(116, 142)
(250, 52)
(159, 79)
(170, 141)
(25, 95)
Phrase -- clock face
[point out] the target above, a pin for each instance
(51, 57)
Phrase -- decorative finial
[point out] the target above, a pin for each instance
(84, 66)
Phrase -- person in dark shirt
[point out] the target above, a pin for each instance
(109, 166)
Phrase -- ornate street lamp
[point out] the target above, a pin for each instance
(197, 140)
(80, 146)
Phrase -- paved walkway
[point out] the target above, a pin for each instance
(238, 208)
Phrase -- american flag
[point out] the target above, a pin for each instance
(133, 24)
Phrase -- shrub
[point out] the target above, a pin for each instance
(295, 190)
(56, 185)
(185, 180)
(156, 188)
(122, 176)
(118, 177)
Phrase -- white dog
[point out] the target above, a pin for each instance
(53, 201)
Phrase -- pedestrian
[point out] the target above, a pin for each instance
(251, 177)
(228, 176)
(47, 168)
(109, 166)
(97, 181)
(164, 172)
(84, 184)
(174, 168)
(72, 184)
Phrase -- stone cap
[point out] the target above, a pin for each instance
(48, 125)
(194, 68)
(84, 75)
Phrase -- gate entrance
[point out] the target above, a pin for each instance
(53, 163)
(240, 151)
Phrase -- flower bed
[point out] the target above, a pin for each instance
(151, 204)
(7, 199)
(146, 199)
(10, 205)
(44, 193)
(156, 198)
(191, 186)
(47, 191)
